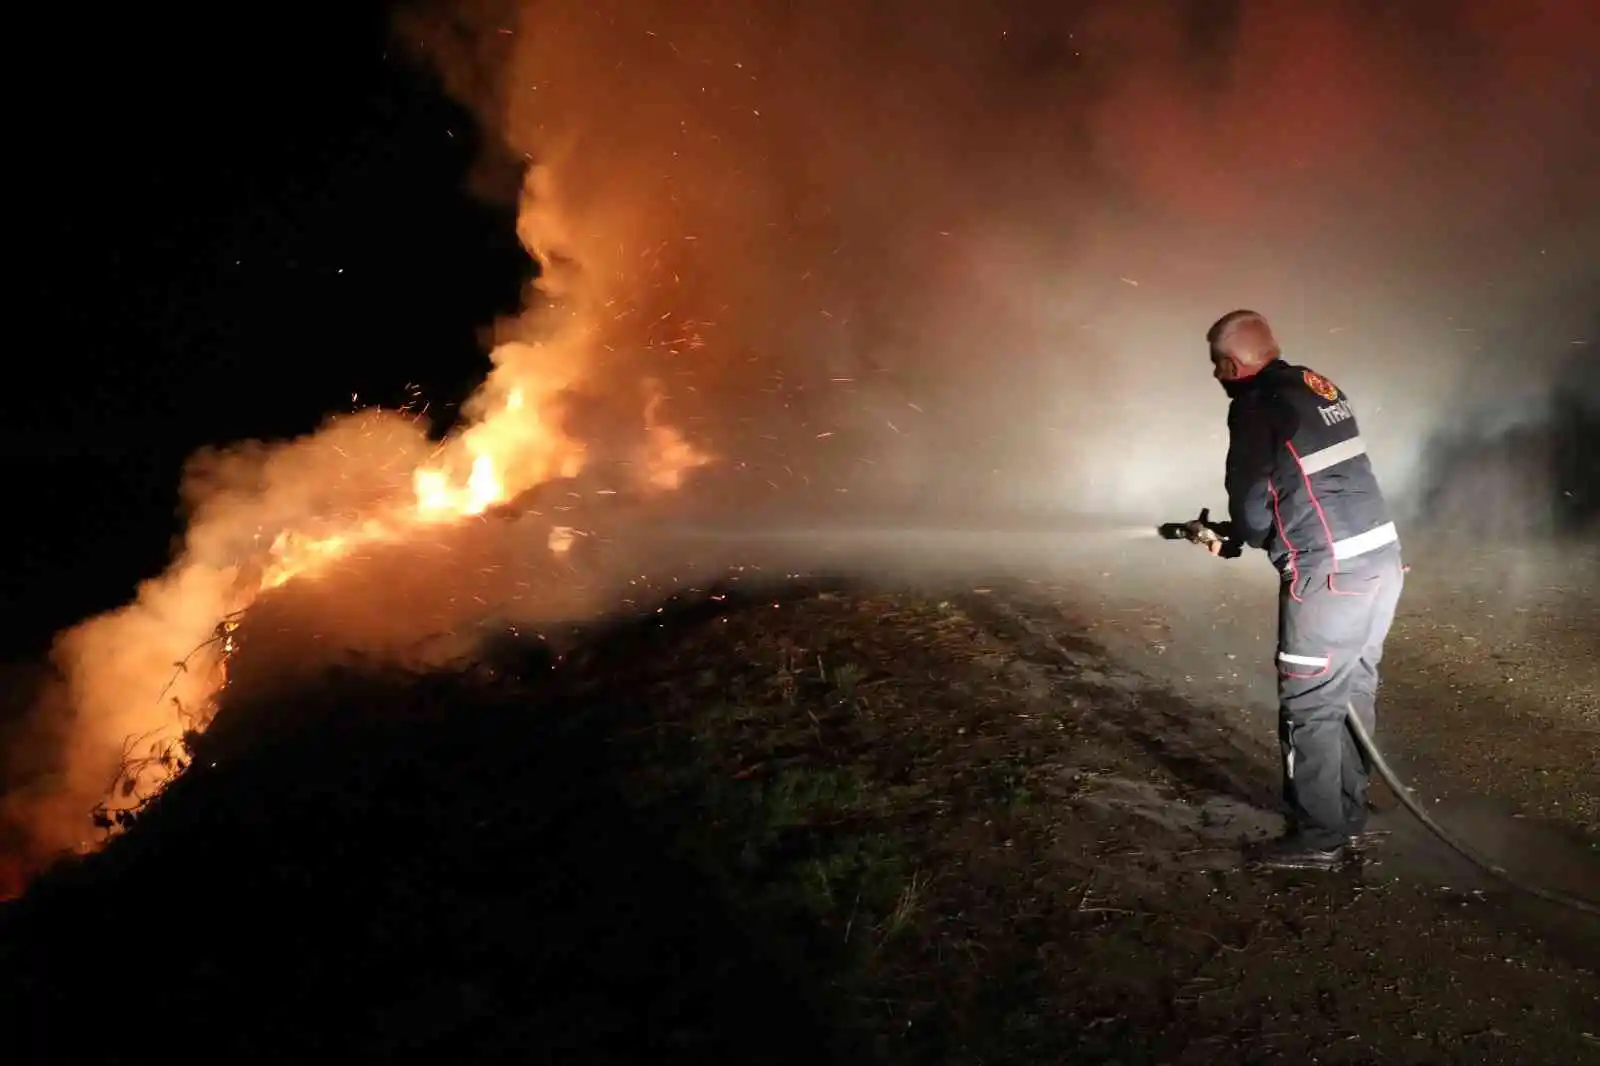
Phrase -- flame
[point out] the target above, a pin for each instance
(514, 436)
(511, 447)
(668, 455)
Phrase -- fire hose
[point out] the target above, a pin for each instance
(1203, 531)
(1460, 846)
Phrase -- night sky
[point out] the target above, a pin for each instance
(230, 229)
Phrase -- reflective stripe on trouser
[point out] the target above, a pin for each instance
(1330, 643)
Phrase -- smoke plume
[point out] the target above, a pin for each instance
(934, 256)
(977, 245)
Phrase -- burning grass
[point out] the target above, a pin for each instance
(793, 824)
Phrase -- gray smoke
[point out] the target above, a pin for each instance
(955, 256)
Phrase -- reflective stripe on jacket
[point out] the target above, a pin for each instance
(1300, 484)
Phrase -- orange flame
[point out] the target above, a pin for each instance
(510, 448)
(668, 455)
(513, 437)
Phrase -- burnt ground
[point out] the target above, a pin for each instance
(802, 824)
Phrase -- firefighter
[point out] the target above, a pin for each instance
(1301, 488)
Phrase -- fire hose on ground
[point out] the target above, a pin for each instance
(1205, 532)
(1460, 846)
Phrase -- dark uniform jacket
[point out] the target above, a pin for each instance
(1300, 485)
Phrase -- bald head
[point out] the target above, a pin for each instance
(1241, 344)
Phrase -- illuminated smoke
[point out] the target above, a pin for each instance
(956, 253)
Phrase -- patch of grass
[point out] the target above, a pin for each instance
(872, 811)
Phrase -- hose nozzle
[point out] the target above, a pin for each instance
(1200, 530)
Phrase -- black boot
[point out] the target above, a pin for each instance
(1293, 852)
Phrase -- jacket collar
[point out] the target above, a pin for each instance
(1250, 385)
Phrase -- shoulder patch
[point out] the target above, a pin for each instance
(1321, 386)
